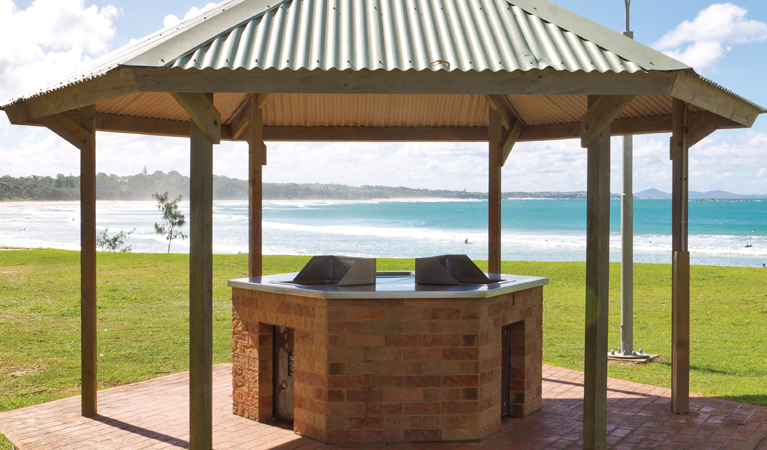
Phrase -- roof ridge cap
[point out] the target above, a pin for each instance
(645, 57)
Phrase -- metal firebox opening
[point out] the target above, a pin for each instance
(283, 358)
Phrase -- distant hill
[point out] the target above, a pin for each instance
(143, 185)
(710, 195)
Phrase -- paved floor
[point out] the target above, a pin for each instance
(153, 415)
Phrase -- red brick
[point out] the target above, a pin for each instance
(422, 354)
(442, 313)
(346, 381)
(403, 341)
(383, 409)
(385, 381)
(464, 407)
(422, 381)
(383, 354)
(345, 409)
(365, 395)
(460, 353)
(420, 435)
(336, 396)
(363, 423)
(421, 408)
(345, 354)
(346, 328)
(387, 436)
(403, 395)
(365, 314)
(341, 437)
(460, 380)
(441, 340)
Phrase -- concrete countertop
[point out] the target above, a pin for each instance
(390, 285)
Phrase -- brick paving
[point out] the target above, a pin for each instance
(153, 415)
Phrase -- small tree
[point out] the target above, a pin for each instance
(114, 243)
(173, 218)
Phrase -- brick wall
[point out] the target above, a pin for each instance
(253, 316)
(399, 370)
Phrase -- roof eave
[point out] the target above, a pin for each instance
(115, 83)
(705, 94)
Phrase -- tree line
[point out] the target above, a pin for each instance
(142, 186)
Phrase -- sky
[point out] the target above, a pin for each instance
(42, 40)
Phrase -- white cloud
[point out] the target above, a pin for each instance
(48, 40)
(172, 20)
(703, 41)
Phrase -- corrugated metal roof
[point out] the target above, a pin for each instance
(477, 35)
(465, 35)
(418, 35)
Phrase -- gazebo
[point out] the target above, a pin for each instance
(496, 71)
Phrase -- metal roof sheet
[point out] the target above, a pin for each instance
(478, 35)
(404, 35)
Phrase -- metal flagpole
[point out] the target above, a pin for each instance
(626, 350)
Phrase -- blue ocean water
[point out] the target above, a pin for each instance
(721, 233)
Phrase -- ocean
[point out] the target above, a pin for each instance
(721, 232)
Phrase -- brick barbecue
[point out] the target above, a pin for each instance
(387, 363)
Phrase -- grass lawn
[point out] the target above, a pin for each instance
(143, 321)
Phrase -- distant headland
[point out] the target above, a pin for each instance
(141, 187)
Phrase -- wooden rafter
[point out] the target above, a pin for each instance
(702, 126)
(68, 129)
(202, 112)
(600, 116)
(240, 121)
(510, 138)
(511, 121)
(509, 114)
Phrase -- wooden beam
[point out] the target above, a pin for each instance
(510, 120)
(239, 123)
(256, 160)
(376, 134)
(88, 322)
(510, 139)
(680, 292)
(201, 286)
(692, 89)
(70, 130)
(530, 133)
(202, 112)
(600, 116)
(115, 84)
(177, 128)
(597, 288)
(494, 193)
(141, 125)
(702, 126)
(534, 82)
(501, 103)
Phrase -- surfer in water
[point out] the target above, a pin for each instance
(467, 241)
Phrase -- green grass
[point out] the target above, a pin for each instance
(143, 321)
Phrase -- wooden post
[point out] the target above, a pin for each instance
(680, 292)
(201, 287)
(88, 326)
(597, 286)
(494, 193)
(255, 186)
